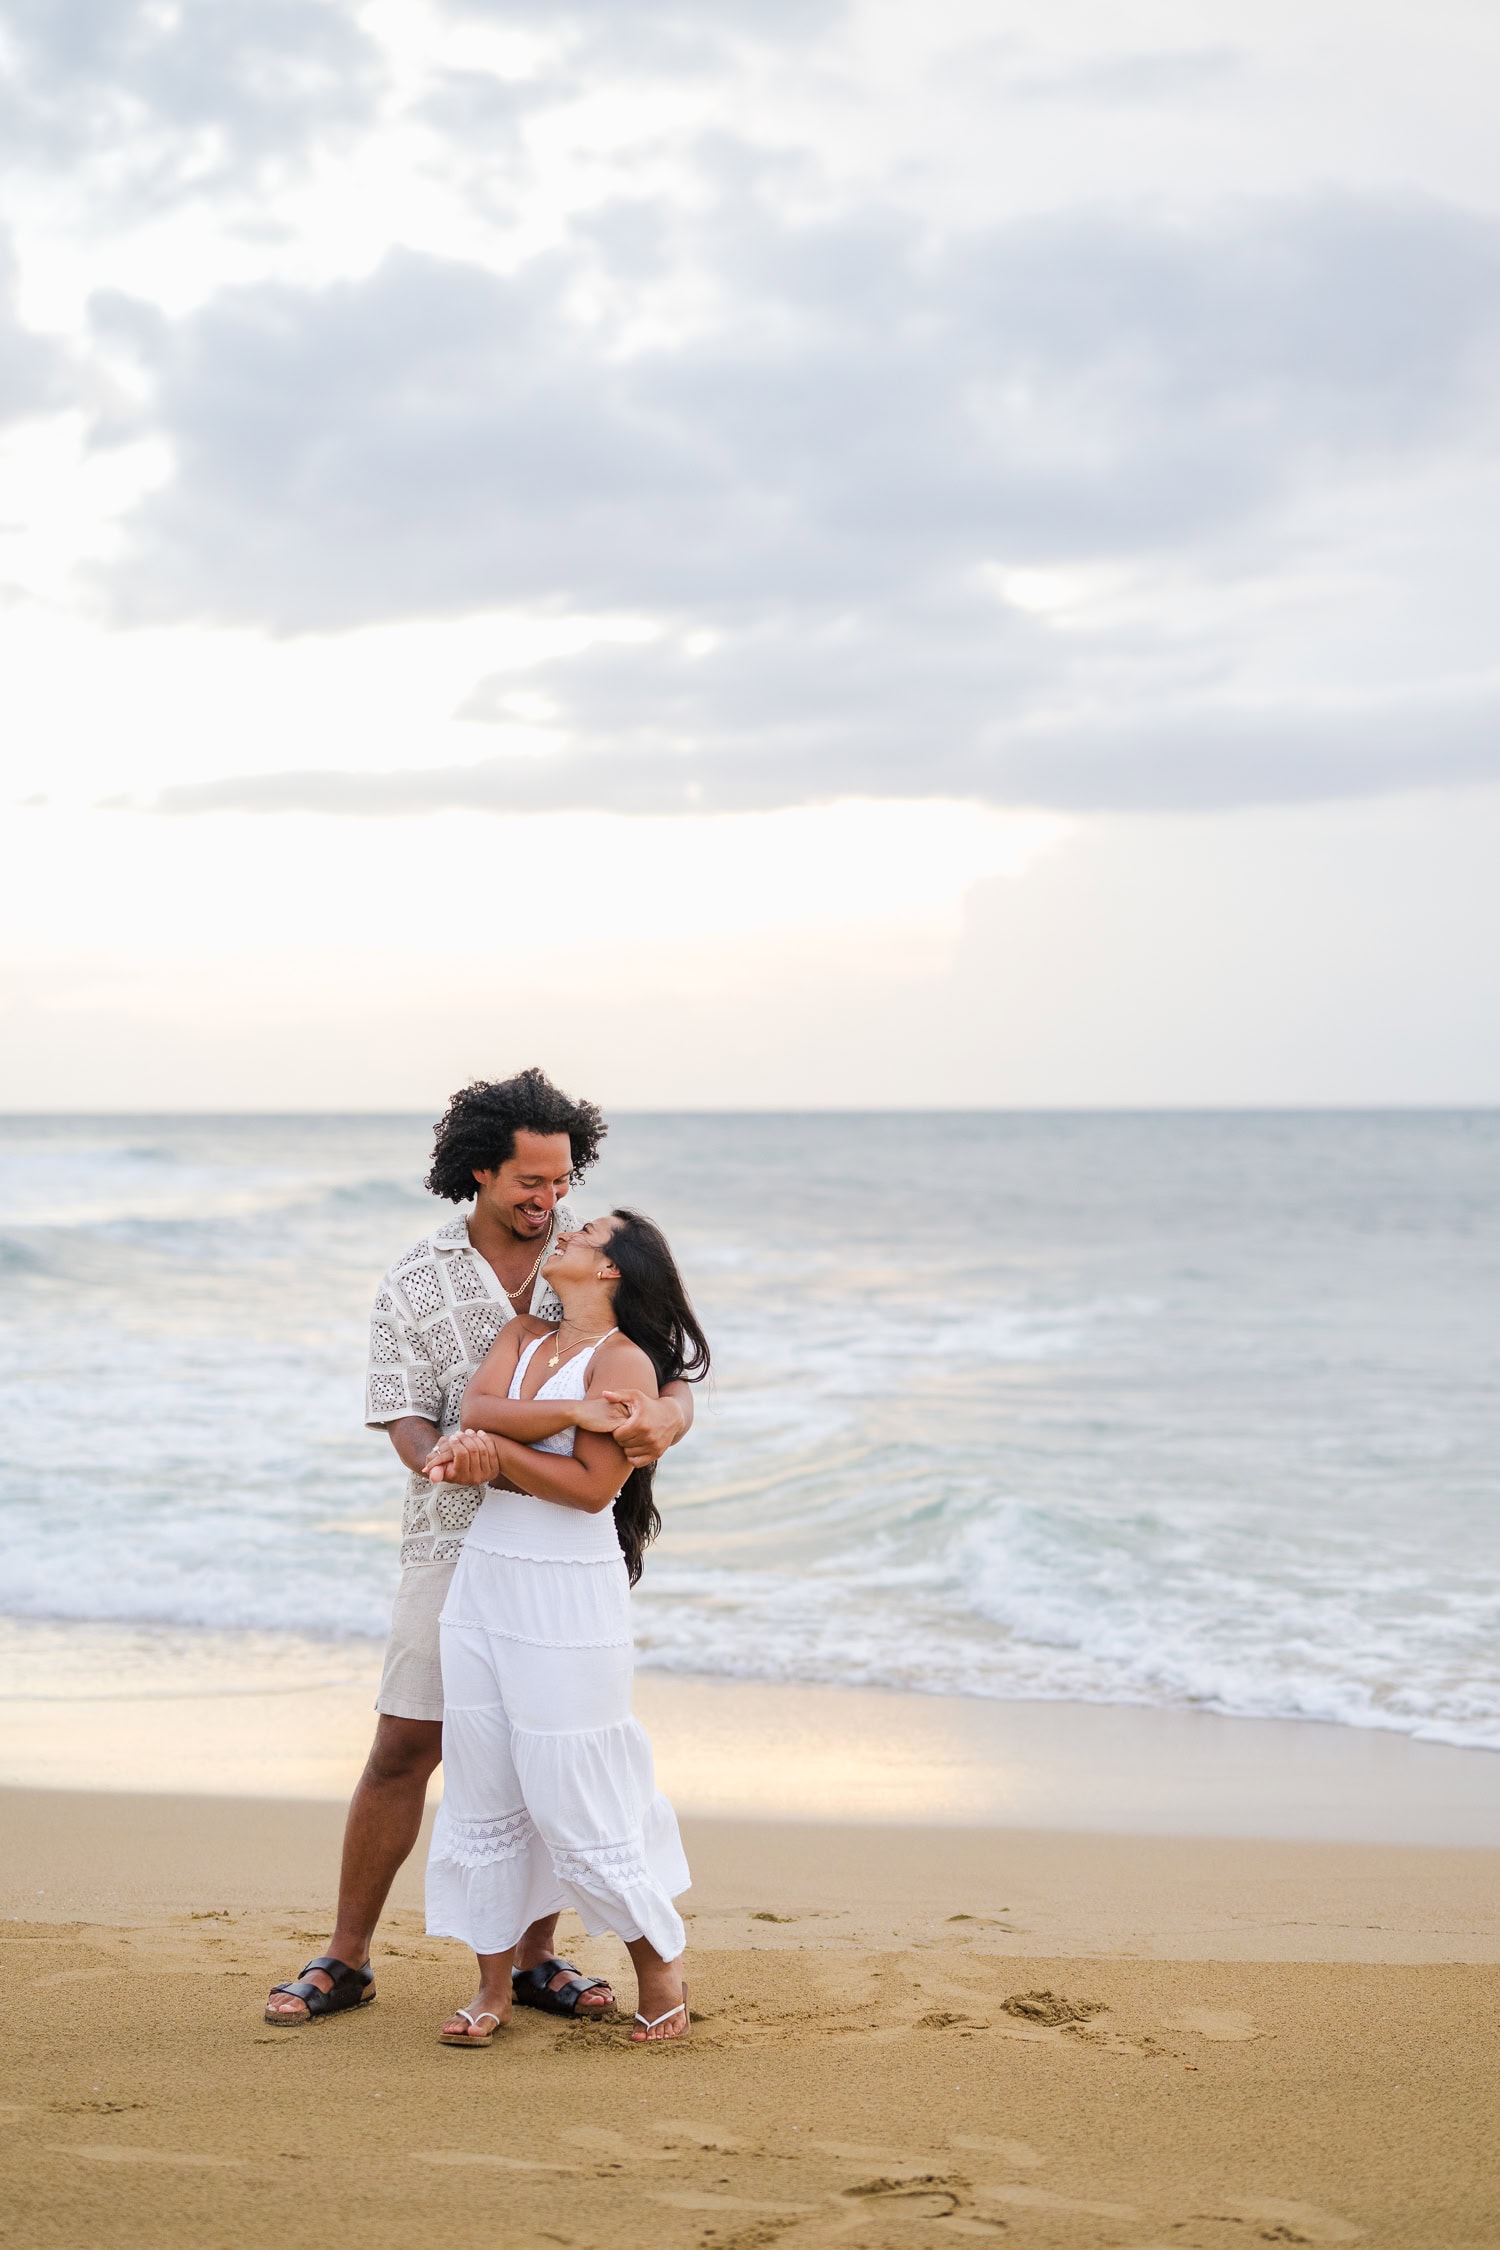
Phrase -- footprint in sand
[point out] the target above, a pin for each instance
(485, 2160)
(1052, 2009)
(1304, 2221)
(1042, 2199)
(618, 2148)
(1019, 2153)
(1216, 2023)
(599, 2140)
(681, 2132)
(893, 2162)
(699, 2199)
(100, 2152)
(670, 2137)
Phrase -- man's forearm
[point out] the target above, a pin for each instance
(414, 1438)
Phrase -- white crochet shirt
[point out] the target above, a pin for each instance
(436, 1314)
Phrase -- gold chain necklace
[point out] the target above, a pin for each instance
(557, 1341)
(536, 1269)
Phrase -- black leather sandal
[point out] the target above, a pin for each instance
(532, 1988)
(352, 1988)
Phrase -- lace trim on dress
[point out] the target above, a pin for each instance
(483, 1843)
(603, 1867)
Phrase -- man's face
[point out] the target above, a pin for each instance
(525, 1190)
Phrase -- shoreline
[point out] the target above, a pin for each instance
(279, 1716)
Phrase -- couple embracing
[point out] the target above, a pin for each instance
(530, 1371)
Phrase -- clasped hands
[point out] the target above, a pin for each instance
(642, 1427)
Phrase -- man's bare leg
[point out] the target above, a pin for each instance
(385, 1819)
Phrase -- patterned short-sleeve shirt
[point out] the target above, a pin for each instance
(436, 1314)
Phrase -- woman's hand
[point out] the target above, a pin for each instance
(603, 1414)
(471, 1457)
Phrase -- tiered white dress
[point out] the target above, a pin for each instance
(549, 1790)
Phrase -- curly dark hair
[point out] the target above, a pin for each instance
(477, 1132)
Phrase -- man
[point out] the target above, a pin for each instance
(515, 1147)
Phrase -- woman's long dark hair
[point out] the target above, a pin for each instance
(652, 1309)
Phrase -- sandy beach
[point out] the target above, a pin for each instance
(904, 2034)
(1267, 1955)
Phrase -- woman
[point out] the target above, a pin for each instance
(549, 1794)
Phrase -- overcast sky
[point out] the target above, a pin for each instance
(751, 553)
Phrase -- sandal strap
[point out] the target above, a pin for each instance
(544, 1971)
(476, 2021)
(651, 2022)
(343, 1980)
(534, 1988)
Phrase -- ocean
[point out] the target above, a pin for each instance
(1172, 1409)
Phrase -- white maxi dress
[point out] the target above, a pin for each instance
(549, 1790)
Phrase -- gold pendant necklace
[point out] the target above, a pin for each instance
(557, 1341)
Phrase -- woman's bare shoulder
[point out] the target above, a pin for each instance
(620, 1365)
(508, 1347)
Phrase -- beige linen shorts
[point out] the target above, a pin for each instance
(411, 1686)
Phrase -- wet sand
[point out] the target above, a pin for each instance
(274, 1715)
(1241, 2042)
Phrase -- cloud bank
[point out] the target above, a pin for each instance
(814, 497)
(803, 447)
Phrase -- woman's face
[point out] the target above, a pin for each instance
(578, 1257)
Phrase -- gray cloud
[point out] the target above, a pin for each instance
(815, 480)
(876, 414)
(639, 37)
(1185, 757)
(1130, 79)
(192, 96)
(34, 373)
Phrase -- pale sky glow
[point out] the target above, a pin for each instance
(933, 554)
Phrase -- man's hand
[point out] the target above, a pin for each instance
(470, 1457)
(650, 1427)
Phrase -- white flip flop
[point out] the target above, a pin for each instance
(649, 2023)
(466, 2038)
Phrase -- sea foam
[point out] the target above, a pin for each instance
(1172, 1410)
